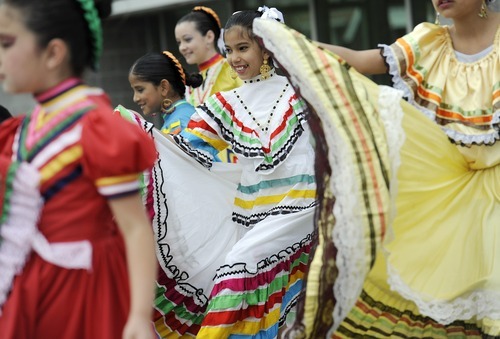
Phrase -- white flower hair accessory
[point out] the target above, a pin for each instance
(220, 42)
(271, 13)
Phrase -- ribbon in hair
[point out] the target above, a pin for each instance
(177, 65)
(210, 12)
(91, 15)
(271, 13)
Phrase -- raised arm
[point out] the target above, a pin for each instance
(366, 61)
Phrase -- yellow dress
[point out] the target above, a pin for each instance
(409, 221)
(216, 78)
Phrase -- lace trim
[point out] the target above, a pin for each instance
(481, 139)
(468, 139)
(390, 110)
(249, 221)
(347, 233)
(455, 136)
(399, 83)
(286, 255)
(479, 304)
(20, 228)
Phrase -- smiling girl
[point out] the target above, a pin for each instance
(235, 239)
(159, 81)
(198, 35)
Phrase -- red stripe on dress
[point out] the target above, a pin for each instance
(228, 317)
(264, 278)
(177, 298)
(229, 109)
(361, 137)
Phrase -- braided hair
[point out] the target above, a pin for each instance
(155, 67)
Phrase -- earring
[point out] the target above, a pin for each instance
(264, 70)
(232, 73)
(166, 106)
(437, 19)
(482, 12)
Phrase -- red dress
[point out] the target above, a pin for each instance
(85, 156)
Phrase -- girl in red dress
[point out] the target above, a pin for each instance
(76, 247)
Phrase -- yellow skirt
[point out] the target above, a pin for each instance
(409, 230)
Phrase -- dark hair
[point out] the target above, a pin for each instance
(243, 19)
(205, 20)
(154, 67)
(4, 114)
(63, 19)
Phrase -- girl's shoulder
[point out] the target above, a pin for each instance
(427, 37)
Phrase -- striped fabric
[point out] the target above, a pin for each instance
(57, 117)
(244, 304)
(373, 158)
(362, 171)
(233, 241)
(371, 318)
(225, 122)
(249, 143)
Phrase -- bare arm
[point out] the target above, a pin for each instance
(137, 232)
(367, 62)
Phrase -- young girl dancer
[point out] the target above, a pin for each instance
(233, 241)
(410, 205)
(75, 242)
(159, 82)
(199, 36)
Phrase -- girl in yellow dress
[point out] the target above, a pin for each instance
(410, 198)
(198, 35)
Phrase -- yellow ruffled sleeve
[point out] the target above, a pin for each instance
(464, 98)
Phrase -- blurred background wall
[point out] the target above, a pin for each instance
(139, 26)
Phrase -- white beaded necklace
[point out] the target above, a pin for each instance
(264, 128)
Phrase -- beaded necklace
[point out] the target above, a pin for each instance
(264, 128)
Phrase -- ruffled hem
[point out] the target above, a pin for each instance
(479, 304)
(179, 308)
(256, 302)
(377, 314)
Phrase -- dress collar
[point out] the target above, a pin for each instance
(210, 62)
(258, 78)
(57, 90)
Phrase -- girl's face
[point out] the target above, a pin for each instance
(193, 46)
(457, 9)
(146, 95)
(244, 54)
(21, 60)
